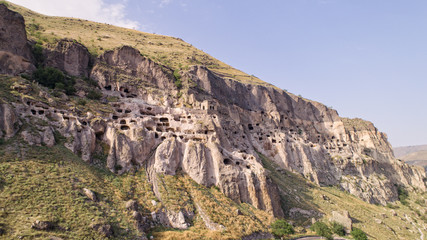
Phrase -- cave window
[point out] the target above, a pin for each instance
(164, 119)
(227, 161)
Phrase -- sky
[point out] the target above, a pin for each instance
(364, 58)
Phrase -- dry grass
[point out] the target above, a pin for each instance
(98, 37)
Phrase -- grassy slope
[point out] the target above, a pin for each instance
(99, 37)
(296, 192)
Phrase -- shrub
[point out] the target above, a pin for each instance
(81, 102)
(54, 78)
(322, 229)
(38, 54)
(338, 229)
(402, 194)
(94, 95)
(358, 234)
(281, 228)
(177, 77)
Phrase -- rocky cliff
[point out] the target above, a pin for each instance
(193, 121)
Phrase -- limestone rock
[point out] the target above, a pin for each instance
(342, 218)
(69, 56)
(44, 136)
(90, 194)
(9, 122)
(13, 37)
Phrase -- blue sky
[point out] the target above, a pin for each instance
(364, 58)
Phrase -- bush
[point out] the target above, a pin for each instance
(54, 78)
(338, 229)
(322, 229)
(403, 195)
(177, 77)
(38, 54)
(358, 234)
(281, 228)
(94, 95)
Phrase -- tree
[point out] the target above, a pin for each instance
(281, 228)
(338, 229)
(322, 229)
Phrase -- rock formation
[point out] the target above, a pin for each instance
(69, 56)
(214, 129)
(15, 52)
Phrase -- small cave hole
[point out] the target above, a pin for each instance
(108, 88)
(84, 123)
(248, 167)
(128, 111)
(149, 108)
(124, 127)
(115, 117)
(41, 112)
(250, 127)
(227, 161)
(163, 119)
(126, 90)
(33, 111)
(206, 131)
(122, 121)
(119, 110)
(237, 163)
(156, 135)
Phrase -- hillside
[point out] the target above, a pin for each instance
(399, 152)
(112, 133)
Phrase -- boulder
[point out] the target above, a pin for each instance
(132, 205)
(342, 218)
(42, 225)
(104, 229)
(90, 194)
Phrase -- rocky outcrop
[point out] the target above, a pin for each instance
(15, 52)
(9, 121)
(69, 56)
(126, 71)
(342, 218)
(303, 136)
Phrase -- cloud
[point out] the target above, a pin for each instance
(94, 10)
(164, 2)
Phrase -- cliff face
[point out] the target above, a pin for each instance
(15, 51)
(212, 129)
